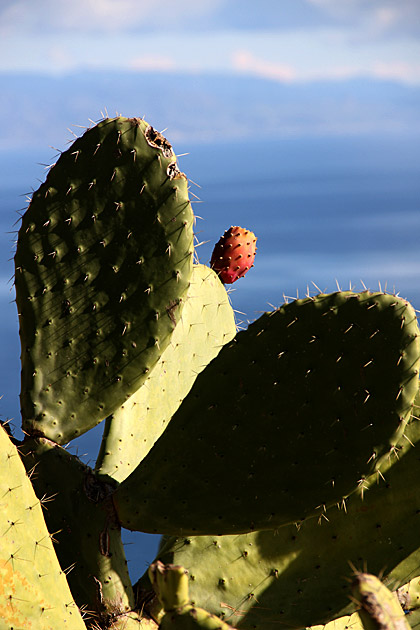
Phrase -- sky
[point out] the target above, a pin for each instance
(281, 40)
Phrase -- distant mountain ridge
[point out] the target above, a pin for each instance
(202, 108)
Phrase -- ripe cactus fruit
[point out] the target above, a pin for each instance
(234, 254)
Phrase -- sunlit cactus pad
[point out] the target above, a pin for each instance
(103, 260)
(287, 420)
(34, 593)
(207, 323)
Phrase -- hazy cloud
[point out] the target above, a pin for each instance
(379, 18)
(101, 15)
(292, 40)
(246, 63)
(400, 71)
(153, 63)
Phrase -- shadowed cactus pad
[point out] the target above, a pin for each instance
(299, 575)
(290, 417)
(103, 260)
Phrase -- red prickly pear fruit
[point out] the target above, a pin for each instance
(234, 254)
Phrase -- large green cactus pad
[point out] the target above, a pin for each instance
(287, 419)
(103, 260)
(34, 593)
(298, 575)
(207, 323)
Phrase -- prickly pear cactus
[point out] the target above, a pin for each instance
(103, 262)
(294, 439)
(99, 577)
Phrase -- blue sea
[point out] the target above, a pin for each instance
(328, 212)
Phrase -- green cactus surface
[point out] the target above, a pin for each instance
(170, 584)
(34, 593)
(103, 261)
(88, 539)
(207, 323)
(287, 420)
(298, 574)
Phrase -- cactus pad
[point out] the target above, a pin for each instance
(34, 593)
(298, 575)
(207, 323)
(313, 396)
(103, 260)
